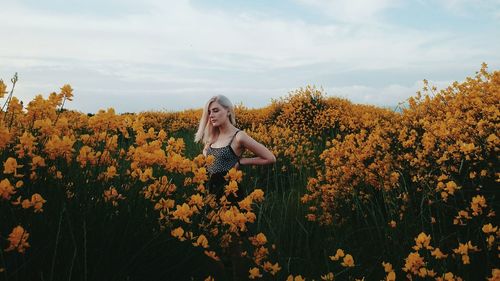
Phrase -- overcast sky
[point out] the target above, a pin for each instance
(172, 55)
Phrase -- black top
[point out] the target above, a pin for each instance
(224, 157)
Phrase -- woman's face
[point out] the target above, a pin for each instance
(217, 114)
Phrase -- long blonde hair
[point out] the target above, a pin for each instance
(206, 131)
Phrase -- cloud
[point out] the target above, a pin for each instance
(176, 49)
(386, 96)
(471, 8)
(360, 11)
(181, 35)
(390, 95)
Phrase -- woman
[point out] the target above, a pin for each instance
(226, 143)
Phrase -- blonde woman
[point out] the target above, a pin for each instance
(224, 141)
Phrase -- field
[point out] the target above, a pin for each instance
(357, 191)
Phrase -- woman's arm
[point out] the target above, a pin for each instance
(205, 150)
(264, 155)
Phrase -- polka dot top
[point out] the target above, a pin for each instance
(224, 158)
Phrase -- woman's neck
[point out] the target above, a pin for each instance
(225, 128)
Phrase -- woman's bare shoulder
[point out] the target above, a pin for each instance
(243, 138)
(241, 134)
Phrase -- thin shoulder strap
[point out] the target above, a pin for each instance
(231, 141)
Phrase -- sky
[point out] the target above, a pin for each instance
(156, 55)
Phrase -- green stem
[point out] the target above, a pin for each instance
(57, 243)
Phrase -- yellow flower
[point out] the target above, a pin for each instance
(296, 278)
(348, 261)
(391, 276)
(423, 272)
(236, 219)
(338, 254)
(463, 249)
(6, 189)
(183, 212)
(10, 166)
(26, 204)
(328, 277)
(448, 276)
(257, 195)
(246, 204)
(209, 160)
(5, 136)
(451, 187)
(146, 175)
(200, 176)
(212, 255)
(113, 196)
(387, 266)
(110, 172)
(422, 241)
(478, 202)
(260, 254)
(495, 275)
(201, 241)
(18, 240)
(444, 195)
(258, 240)
(36, 162)
(438, 254)
(57, 147)
(37, 202)
(196, 199)
(231, 188)
(234, 175)
(26, 143)
(162, 135)
(272, 268)
(394, 177)
(3, 89)
(67, 92)
(311, 217)
(413, 263)
(254, 273)
(86, 155)
(490, 239)
(467, 147)
(461, 215)
(178, 233)
(488, 228)
(164, 205)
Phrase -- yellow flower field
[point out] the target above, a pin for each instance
(357, 193)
